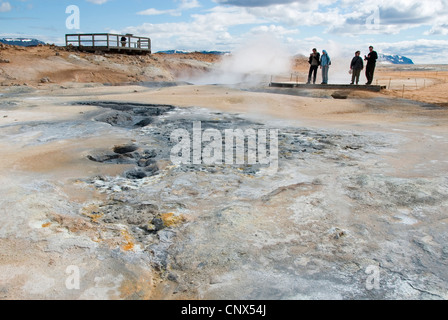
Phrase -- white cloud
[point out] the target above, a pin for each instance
(205, 31)
(273, 29)
(5, 7)
(395, 15)
(424, 51)
(185, 5)
(254, 3)
(351, 16)
(189, 4)
(438, 29)
(153, 12)
(225, 26)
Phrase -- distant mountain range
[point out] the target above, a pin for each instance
(394, 59)
(185, 52)
(24, 42)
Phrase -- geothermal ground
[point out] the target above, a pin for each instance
(354, 208)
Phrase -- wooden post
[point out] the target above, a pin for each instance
(93, 41)
(107, 41)
(79, 40)
(390, 79)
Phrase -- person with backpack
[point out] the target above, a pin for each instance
(325, 63)
(314, 62)
(356, 66)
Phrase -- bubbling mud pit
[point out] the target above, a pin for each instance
(316, 228)
(335, 220)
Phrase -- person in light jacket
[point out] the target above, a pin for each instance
(356, 66)
(325, 63)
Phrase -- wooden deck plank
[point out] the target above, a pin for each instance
(326, 86)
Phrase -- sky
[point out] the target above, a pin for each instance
(415, 29)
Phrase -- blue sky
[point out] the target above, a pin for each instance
(416, 29)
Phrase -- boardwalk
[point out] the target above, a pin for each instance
(325, 86)
(107, 42)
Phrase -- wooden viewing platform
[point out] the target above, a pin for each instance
(108, 42)
(326, 86)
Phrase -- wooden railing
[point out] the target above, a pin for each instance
(108, 41)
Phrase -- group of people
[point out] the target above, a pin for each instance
(323, 61)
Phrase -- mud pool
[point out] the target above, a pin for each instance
(139, 226)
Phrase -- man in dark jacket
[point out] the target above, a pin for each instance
(356, 66)
(371, 64)
(314, 62)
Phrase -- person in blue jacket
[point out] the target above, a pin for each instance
(325, 63)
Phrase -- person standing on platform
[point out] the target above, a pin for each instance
(325, 63)
(356, 67)
(371, 64)
(314, 62)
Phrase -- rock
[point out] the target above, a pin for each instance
(149, 154)
(144, 122)
(340, 95)
(127, 148)
(116, 189)
(166, 220)
(158, 224)
(135, 174)
(99, 183)
(152, 170)
(146, 162)
(4, 61)
(45, 80)
(337, 233)
(172, 277)
(102, 157)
